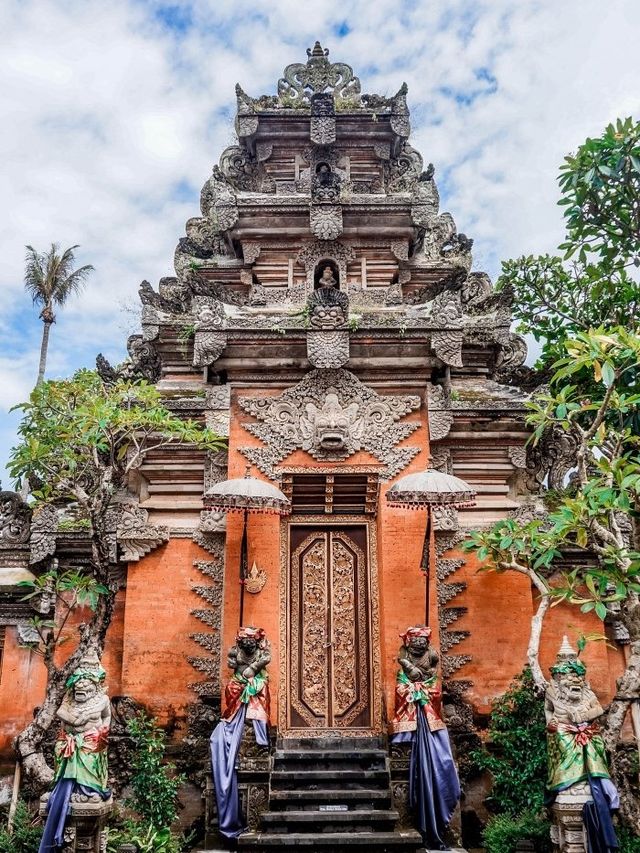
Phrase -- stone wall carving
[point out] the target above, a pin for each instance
(325, 221)
(322, 129)
(551, 459)
(143, 363)
(447, 345)
(328, 349)
(209, 339)
(135, 536)
(512, 354)
(404, 170)
(211, 616)
(44, 526)
(15, 519)
(331, 415)
(439, 413)
(300, 81)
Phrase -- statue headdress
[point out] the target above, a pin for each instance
(567, 660)
(89, 669)
(251, 633)
(415, 631)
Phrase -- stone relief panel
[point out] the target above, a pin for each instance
(330, 414)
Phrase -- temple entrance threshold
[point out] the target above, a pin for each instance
(331, 644)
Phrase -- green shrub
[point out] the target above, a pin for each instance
(26, 835)
(503, 832)
(154, 782)
(516, 752)
(146, 838)
(629, 842)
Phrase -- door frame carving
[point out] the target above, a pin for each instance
(376, 698)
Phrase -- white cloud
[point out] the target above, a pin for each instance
(107, 112)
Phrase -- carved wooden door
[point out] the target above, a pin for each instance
(329, 629)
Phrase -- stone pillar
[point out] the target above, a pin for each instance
(84, 830)
(567, 831)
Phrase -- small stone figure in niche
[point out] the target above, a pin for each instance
(80, 749)
(326, 184)
(434, 789)
(246, 697)
(328, 305)
(576, 755)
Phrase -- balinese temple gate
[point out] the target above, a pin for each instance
(325, 317)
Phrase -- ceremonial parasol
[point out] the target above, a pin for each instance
(246, 495)
(425, 490)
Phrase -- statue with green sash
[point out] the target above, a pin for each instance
(80, 749)
(578, 775)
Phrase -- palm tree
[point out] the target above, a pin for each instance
(49, 278)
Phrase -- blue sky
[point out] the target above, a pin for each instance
(114, 114)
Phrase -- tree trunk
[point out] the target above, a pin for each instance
(533, 651)
(44, 346)
(29, 742)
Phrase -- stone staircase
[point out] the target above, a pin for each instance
(329, 796)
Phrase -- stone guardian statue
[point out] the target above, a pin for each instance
(81, 771)
(246, 697)
(579, 786)
(434, 789)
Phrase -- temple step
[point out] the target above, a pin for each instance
(351, 820)
(328, 778)
(330, 795)
(313, 797)
(332, 842)
(330, 759)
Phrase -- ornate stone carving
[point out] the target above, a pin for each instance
(301, 81)
(551, 459)
(143, 363)
(439, 413)
(404, 170)
(518, 456)
(218, 202)
(209, 339)
(326, 221)
(135, 536)
(322, 128)
(447, 345)
(15, 519)
(243, 171)
(399, 120)
(211, 616)
(444, 518)
(310, 254)
(251, 252)
(400, 250)
(328, 306)
(328, 349)
(43, 534)
(512, 354)
(331, 415)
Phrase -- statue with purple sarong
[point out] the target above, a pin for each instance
(578, 782)
(246, 697)
(434, 789)
(80, 750)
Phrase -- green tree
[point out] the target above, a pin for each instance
(49, 278)
(594, 281)
(583, 305)
(79, 441)
(590, 513)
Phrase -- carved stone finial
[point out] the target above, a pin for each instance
(302, 80)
